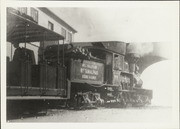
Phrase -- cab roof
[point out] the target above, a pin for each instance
(21, 28)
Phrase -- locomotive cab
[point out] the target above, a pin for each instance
(27, 78)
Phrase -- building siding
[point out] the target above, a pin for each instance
(43, 20)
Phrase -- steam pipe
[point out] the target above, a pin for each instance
(26, 62)
(132, 59)
(58, 53)
(63, 52)
(11, 52)
(58, 66)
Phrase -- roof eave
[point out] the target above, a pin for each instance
(58, 19)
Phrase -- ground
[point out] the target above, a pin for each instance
(150, 114)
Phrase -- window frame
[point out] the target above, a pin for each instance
(69, 37)
(36, 17)
(63, 31)
(50, 26)
(22, 9)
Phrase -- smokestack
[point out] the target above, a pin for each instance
(132, 59)
(135, 51)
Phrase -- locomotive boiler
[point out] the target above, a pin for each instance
(84, 74)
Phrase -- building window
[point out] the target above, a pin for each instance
(23, 10)
(69, 37)
(50, 25)
(63, 32)
(34, 14)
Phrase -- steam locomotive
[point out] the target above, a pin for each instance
(86, 74)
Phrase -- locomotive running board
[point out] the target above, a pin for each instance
(34, 98)
(34, 93)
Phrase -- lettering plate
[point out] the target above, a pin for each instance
(87, 71)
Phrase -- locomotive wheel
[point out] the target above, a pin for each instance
(139, 100)
(121, 99)
(79, 102)
(75, 102)
(124, 103)
(148, 101)
(82, 101)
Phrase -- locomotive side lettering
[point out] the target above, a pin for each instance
(87, 71)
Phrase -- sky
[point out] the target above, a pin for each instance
(133, 23)
(155, 77)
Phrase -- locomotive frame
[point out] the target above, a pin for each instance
(110, 74)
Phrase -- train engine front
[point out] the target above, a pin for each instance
(141, 96)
